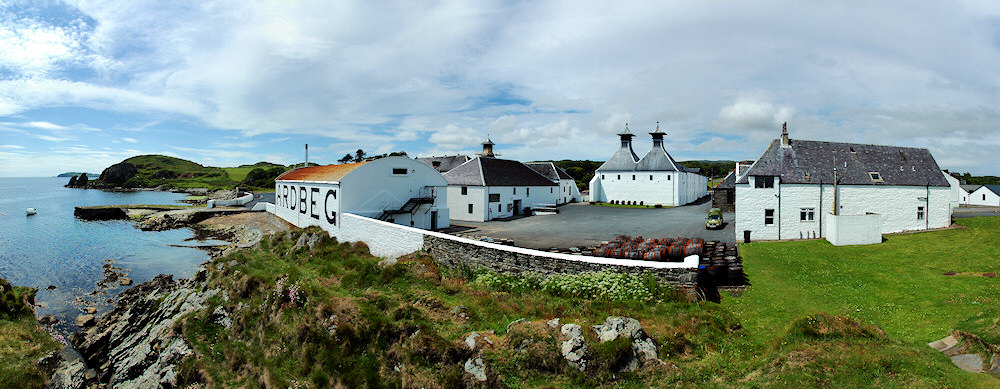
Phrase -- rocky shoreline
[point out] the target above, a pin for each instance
(135, 344)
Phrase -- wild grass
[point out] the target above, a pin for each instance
(22, 341)
(815, 316)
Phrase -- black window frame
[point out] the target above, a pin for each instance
(768, 217)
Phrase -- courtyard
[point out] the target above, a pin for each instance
(582, 225)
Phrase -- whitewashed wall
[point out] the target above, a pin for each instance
(897, 205)
(649, 188)
(483, 209)
(372, 188)
(308, 203)
(568, 191)
(845, 230)
(956, 192)
(984, 196)
(458, 204)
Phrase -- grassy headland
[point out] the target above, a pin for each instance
(816, 315)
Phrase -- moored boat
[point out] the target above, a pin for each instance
(32, 211)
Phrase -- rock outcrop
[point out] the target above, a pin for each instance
(118, 173)
(134, 345)
(83, 180)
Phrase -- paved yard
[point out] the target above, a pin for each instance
(582, 224)
(966, 211)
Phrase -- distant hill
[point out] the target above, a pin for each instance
(161, 171)
(71, 174)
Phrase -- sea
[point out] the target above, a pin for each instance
(63, 256)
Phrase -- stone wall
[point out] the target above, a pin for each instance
(452, 252)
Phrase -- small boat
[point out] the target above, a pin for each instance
(32, 211)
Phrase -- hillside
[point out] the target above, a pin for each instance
(165, 172)
(303, 310)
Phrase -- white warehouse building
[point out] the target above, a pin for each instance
(568, 191)
(789, 192)
(656, 179)
(394, 189)
(988, 195)
(487, 188)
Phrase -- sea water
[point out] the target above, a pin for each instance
(54, 248)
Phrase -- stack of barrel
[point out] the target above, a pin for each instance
(659, 250)
(722, 262)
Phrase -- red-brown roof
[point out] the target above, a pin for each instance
(320, 173)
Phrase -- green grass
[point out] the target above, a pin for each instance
(815, 316)
(22, 340)
(238, 173)
(898, 286)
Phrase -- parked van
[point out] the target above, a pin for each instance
(714, 219)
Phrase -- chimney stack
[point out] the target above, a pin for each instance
(307, 156)
(784, 135)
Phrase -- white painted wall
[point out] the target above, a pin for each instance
(568, 192)
(367, 190)
(483, 209)
(846, 230)
(984, 196)
(458, 203)
(956, 192)
(896, 204)
(648, 188)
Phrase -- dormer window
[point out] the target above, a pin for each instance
(875, 176)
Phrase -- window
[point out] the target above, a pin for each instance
(399, 171)
(763, 182)
(920, 213)
(876, 177)
(470, 208)
(494, 197)
(651, 177)
(633, 177)
(984, 196)
(550, 190)
(619, 176)
(499, 207)
(602, 176)
(515, 190)
(668, 178)
(465, 190)
(807, 214)
(768, 217)
(527, 192)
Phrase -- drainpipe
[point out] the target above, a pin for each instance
(820, 209)
(779, 207)
(927, 208)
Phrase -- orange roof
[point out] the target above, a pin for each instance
(320, 173)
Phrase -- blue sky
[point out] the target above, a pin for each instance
(85, 84)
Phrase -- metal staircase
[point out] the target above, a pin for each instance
(426, 196)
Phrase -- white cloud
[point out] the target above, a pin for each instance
(130, 140)
(9, 147)
(453, 137)
(752, 114)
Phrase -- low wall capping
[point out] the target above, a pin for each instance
(386, 239)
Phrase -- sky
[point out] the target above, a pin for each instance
(86, 84)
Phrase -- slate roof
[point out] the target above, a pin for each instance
(729, 182)
(657, 159)
(495, 172)
(446, 163)
(812, 162)
(623, 160)
(549, 170)
(329, 173)
(970, 188)
(993, 188)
